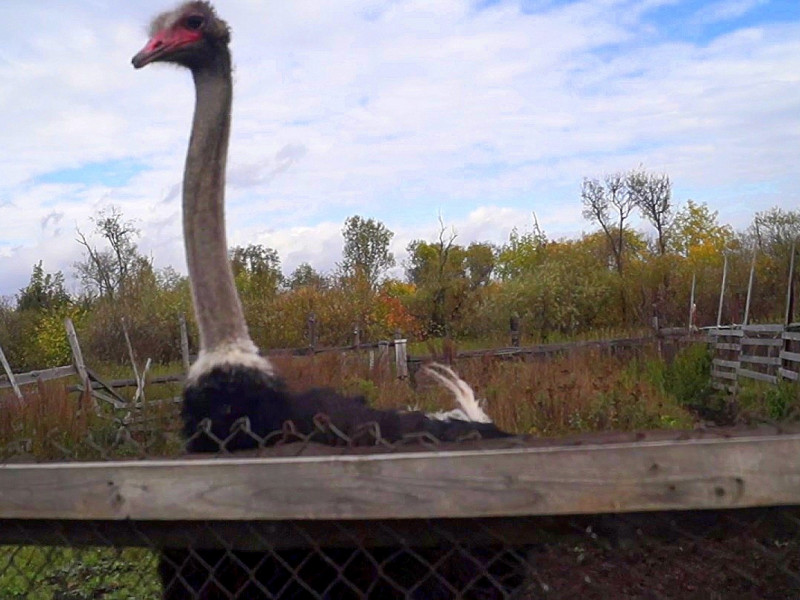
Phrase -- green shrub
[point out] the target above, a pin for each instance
(688, 378)
(763, 401)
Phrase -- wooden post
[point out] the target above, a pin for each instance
(311, 331)
(139, 395)
(786, 366)
(722, 290)
(131, 355)
(11, 379)
(790, 288)
(184, 343)
(515, 331)
(749, 290)
(400, 358)
(383, 356)
(77, 360)
(692, 307)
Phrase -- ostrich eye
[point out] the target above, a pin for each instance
(194, 22)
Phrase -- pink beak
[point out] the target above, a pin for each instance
(163, 44)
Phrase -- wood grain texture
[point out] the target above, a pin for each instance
(12, 381)
(674, 475)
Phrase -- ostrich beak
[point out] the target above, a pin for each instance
(162, 45)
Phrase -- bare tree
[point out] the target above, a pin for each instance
(105, 271)
(600, 200)
(652, 193)
(773, 231)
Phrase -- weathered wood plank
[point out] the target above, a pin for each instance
(675, 475)
(77, 360)
(726, 332)
(401, 359)
(184, 343)
(764, 328)
(748, 341)
(792, 335)
(95, 378)
(728, 364)
(760, 360)
(723, 374)
(77, 355)
(790, 356)
(674, 331)
(45, 375)
(787, 374)
(727, 346)
(122, 383)
(12, 381)
(758, 376)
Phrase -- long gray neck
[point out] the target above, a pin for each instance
(217, 307)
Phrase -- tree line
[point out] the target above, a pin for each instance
(613, 277)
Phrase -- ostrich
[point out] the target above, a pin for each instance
(231, 383)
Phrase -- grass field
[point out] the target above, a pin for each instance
(53, 573)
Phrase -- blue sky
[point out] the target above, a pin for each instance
(402, 110)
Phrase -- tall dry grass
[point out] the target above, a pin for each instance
(578, 392)
(590, 390)
(50, 423)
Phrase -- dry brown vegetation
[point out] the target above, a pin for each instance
(577, 392)
(580, 391)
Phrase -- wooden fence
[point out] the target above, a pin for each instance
(379, 355)
(768, 353)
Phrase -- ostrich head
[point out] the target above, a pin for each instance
(191, 35)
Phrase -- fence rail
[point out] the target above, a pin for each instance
(559, 478)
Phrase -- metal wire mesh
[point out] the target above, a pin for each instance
(733, 554)
(752, 553)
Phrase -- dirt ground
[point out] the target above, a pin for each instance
(748, 555)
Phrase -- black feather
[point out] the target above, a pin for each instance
(227, 394)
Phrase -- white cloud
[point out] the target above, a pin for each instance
(397, 110)
(725, 10)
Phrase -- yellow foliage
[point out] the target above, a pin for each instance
(50, 347)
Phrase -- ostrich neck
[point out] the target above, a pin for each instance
(220, 318)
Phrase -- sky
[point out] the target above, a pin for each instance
(474, 113)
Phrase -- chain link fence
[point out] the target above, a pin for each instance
(734, 553)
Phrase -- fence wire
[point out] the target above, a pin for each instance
(745, 553)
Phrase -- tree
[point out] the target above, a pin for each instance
(256, 269)
(774, 230)
(306, 276)
(438, 270)
(366, 249)
(45, 291)
(695, 230)
(257, 261)
(600, 200)
(479, 261)
(105, 271)
(653, 195)
(522, 253)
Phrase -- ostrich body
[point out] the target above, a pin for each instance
(231, 382)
